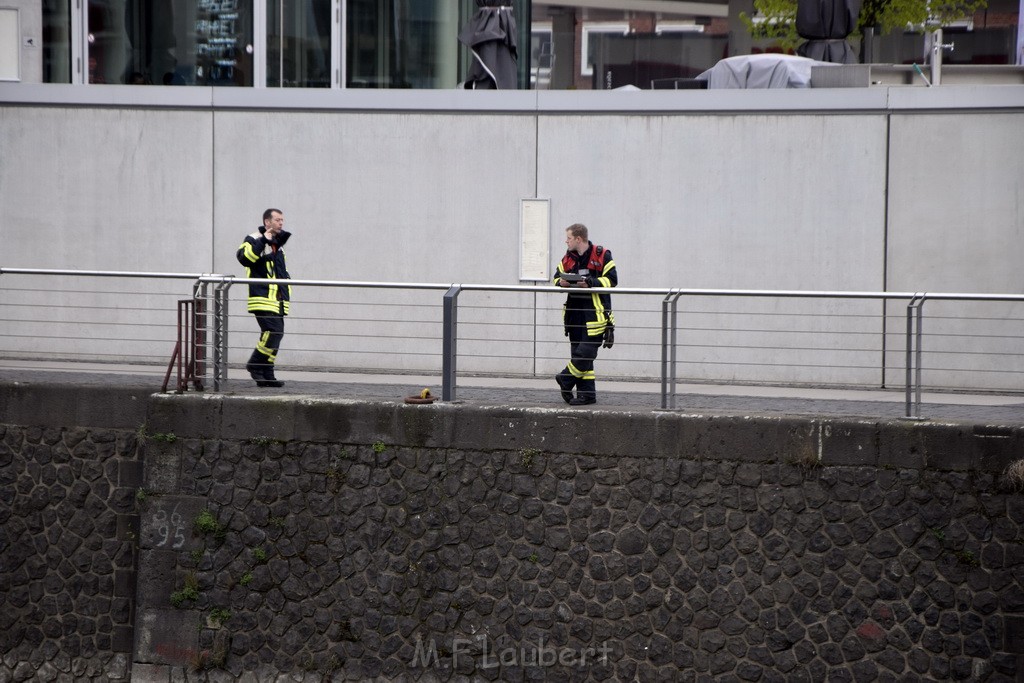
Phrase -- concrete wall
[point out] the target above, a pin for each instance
(338, 537)
(875, 189)
(30, 39)
(949, 180)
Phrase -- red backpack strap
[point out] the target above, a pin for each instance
(598, 258)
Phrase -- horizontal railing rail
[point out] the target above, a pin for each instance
(763, 340)
(103, 273)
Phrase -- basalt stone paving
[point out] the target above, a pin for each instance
(161, 554)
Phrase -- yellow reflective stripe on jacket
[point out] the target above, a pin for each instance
(248, 253)
(266, 303)
(262, 303)
(596, 327)
(603, 278)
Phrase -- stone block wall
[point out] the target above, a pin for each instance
(359, 562)
(347, 541)
(68, 552)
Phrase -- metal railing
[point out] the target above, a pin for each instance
(56, 317)
(763, 338)
(221, 285)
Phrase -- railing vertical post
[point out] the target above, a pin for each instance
(190, 329)
(199, 327)
(912, 383)
(180, 346)
(220, 333)
(920, 317)
(908, 363)
(449, 352)
(533, 369)
(666, 342)
(673, 349)
(218, 355)
(185, 310)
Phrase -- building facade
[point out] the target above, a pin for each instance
(405, 44)
(248, 43)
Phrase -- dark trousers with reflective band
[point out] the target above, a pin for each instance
(583, 351)
(272, 331)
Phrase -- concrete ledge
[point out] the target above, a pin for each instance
(911, 444)
(965, 87)
(754, 438)
(66, 405)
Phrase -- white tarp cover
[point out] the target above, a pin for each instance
(761, 71)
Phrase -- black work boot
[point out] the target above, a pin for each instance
(256, 366)
(255, 371)
(262, 372)
(268, 378)
(566, 384)
(583, 400)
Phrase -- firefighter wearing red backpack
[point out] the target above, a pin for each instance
(587, 269)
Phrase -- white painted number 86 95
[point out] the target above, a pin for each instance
(168, 529)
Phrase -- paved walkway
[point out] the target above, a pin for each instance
(704, 399)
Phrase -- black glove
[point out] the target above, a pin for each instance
(609, 337)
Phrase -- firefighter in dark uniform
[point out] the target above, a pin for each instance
(588, 318)
(262, 254)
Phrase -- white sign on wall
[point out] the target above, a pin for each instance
(10, 45)
(534, 239)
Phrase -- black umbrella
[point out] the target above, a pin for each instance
(491, 36)
(826, 24)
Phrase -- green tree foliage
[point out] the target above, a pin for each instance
(779, 22)
(780, 17)
(893, 15)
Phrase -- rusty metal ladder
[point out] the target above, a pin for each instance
(189, 356)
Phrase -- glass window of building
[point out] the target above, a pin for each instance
(176, 42)
(588, 43)
(414, 43)
(56, 46)
(299, 43)
(401, 44)
(541, 55)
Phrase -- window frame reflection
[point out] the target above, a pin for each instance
(173, 42)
